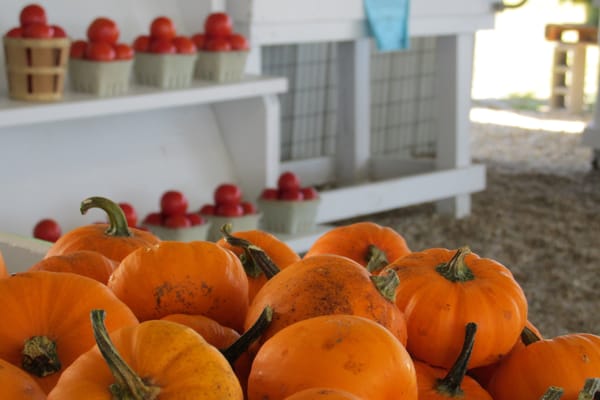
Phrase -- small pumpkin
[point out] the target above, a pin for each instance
(16, 384)
(368, 243)
(3, 270)
(323, 394)
(344, 352)
(442, 290)
(173, 277)
(153, 360)
(114, 240)
(46, 324)
(82, 262)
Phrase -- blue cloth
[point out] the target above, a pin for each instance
(387, 21)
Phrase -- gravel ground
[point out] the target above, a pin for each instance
(539, 215)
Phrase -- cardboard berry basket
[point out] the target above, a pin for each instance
(288, 216)
(102, 78)
(36, 68)
(221, 66)
(243, 223)
(166, 71)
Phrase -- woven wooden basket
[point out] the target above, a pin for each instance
(36, 68)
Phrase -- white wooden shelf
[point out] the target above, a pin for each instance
(139, 98)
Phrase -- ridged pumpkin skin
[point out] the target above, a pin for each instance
(278, 251)
(428, 376)
(16, 384)
(353, 241)
(321, 285)
(565, 361)
(343, 352)
(183, 278)
(438, 308)
(166, 354)
(82, 262)
(56, 305)
(323, 394)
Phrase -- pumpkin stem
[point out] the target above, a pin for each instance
(237, 348)
(40, 357)
(117, 222)
(128, 386)
(450, 384)
(553, 393)
(456, 270)
(253, 254)
(528, 336)
(376, 258)
(591, 389)
(387, 284)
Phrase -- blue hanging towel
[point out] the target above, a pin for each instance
(387, 21)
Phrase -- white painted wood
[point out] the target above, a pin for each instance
(312, 171)
(21, 252)
(386, 167)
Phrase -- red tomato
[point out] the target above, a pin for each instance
(123, 51)
(15, 32)
(130, 214)
(173, 202)
(291, 195)
(270, 194)
(177, 221)
(199, 40)
(207, 209)
(227, 193)
(288, 180)
(195, 219)
(47, 229)
(162, 28)
(238, 42)
(100, 51)
(59, 32)
(38, 31)
(33, 14)
(309, 193)
(218, 24)
(217, 44)
(162, 46)
(248, 207)
(78, 49)
(154, 218)
(141, 43)
(229, 210)
(103, 29)
(184, 45)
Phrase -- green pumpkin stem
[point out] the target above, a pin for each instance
(591, 390)
(456, 270)
(117, 222)
(241, 345)
(128, 385)
(39, 356)
(450, 384)
(376, 258)
(254, 255)
(553, 393)
(528, 336)
(387, 284)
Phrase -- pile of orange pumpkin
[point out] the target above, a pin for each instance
(112, 312)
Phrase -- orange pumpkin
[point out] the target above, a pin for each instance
(441, 290)
(439, 384)
(82, 262)
(344, 352)
(369, 244)
(277, 250)
(114, 240)
(3, 270)
(46, 317)
(327, 284)
(16, 384)
(322, 394)
(565, 361)
(183, 278)
(153, 360)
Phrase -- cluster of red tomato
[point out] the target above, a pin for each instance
(218, 35)
(174, 212)
(228, 202)
(289, 188)
(163, 39)
(102, 45)
(34, 25)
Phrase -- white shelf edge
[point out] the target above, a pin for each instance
(139, 98)
(301, 242)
